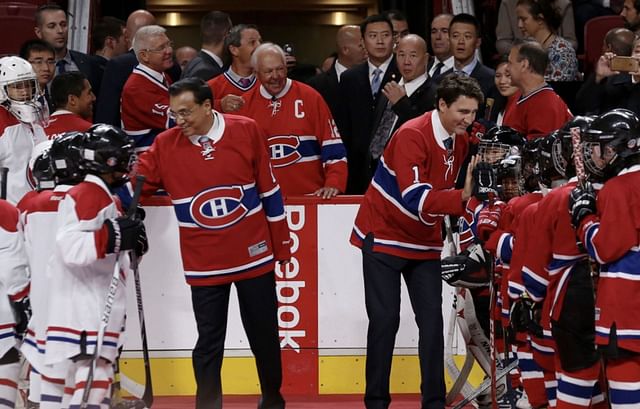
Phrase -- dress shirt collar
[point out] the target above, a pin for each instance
(339, 69)
(235, 77)
(411, 86)
(446, 65)
(438, 130)
(216, 131)
(468, 69)
(158, 76)
(382, 66)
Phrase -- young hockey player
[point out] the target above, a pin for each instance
(91, 235)
(609, 227)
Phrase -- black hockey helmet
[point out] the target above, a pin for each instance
(563, 147)
(107, 149)
(66, 156)
(510, 177)
(498, 143)
(40, 167)
(611, 142)
(547, 170)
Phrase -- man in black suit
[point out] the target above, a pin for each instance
(406, 99)
(109, 41)
(465, 38)
(118, 69)
(350, 52)
(208, 63)
(52, 27)
(360, 89)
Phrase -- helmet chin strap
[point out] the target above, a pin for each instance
(30, 112)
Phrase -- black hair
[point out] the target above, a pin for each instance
(107, 27)
(35, 45)
(234, 37)
(375, 18)
(65, 84)
(534, 53)
(397, 15)
(199, 88)
(454, 86)
(544, 8)
(465, 18)
(214, 27)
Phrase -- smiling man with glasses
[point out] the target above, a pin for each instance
(145, 97)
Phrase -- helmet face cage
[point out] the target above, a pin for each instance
(498, 143)
(510, 178)
(547, 169)
(493, 152)
(560, 161)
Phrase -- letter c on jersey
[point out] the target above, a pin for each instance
(218, 207)
(284, 150)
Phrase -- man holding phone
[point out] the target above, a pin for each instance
(614, 84)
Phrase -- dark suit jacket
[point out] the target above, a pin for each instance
(203, 67)
(421, 101)
(357, 116)
(328, 86)
(88, 67)
(596, 98)
(116, 73)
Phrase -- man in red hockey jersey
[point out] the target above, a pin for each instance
(239, 79)
(539, 110)
(73, 98)
(145, 96)
(398, 228)
(305, 146)
(233, 229)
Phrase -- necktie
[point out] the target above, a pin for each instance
(244, 82)
(61, 66)
(448, 143)
(383, 132)
(375, 81)
(438, 70)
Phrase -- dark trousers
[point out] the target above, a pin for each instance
(258, 310)
(382, 298)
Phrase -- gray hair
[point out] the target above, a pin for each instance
(141, 41)
(264, 47)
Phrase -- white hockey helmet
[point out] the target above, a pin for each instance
(19, 90)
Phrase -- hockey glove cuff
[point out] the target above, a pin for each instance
(582, 203)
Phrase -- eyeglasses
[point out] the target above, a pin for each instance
(160, 49)
(182, 114)
(39, 62)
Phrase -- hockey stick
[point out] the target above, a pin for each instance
(3, 183)
(147, 396)
(486, 384)
(108, 305)
(578, 157)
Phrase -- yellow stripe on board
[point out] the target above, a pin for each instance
(337, 375)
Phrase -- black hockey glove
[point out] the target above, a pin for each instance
(125, 234)
(582, 203)
(485, 182)
(468, 269)
(142, 244)
(22, 315)
(525, 316)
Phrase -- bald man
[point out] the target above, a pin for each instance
(184, 55)
(350, 50)
(118, 69)
(412, 96)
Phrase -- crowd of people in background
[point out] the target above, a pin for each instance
(226, 133)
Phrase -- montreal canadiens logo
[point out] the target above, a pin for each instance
(218, 207)
(284, 150)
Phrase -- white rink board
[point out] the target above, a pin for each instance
(171, 329)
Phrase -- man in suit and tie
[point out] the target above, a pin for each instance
(407, 98)
(442, 60)
(465, 38)
(350, 52)
(42, 58)
(208, 63)
(52, 26)
(360, 90)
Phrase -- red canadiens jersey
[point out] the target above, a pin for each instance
(612, 239)
(65, 121)
(537, 114)
(145, 106)
(228, 204)
(223, 85)
(548, 264)
(304, 143)
(413, 188)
